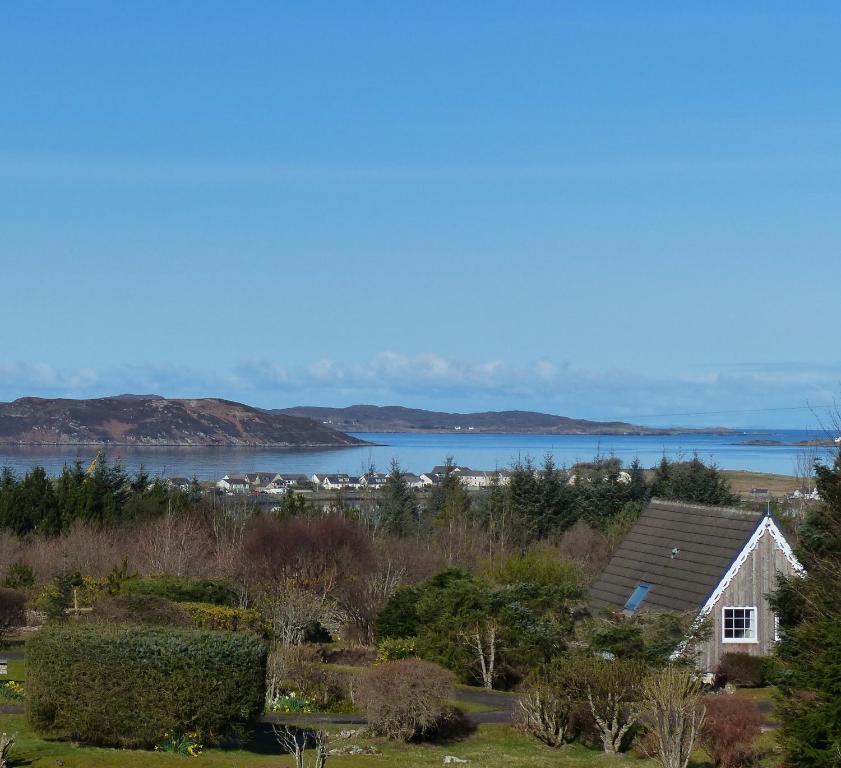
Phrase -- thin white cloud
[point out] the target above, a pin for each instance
(448, 383)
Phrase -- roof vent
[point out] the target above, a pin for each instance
(675, 551)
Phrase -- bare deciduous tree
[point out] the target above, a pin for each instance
(483, 642)
(174, 544)
(611, 688)
(6, 744)
(294, 741)
(290, 610)
(545, 709)
(675, 712)
(362, 598)
(227, 523)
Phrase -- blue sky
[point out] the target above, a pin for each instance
(596, 209)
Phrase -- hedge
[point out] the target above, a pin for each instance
(222, 617)
(182, 589)
(128, 686)
(741, 669)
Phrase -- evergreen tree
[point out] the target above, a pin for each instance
(692, 481)
(638, 487)
(551, 506)
(809, 612)
(399, 511)
(524, 489)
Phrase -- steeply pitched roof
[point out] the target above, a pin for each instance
(682, 550)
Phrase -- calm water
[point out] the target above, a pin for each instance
(420, 452)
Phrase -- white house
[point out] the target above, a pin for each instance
(373, 480)
(415, 481)
(336, 481)
(259, 480)
(233, 484)
(470, 478)
(179, 483)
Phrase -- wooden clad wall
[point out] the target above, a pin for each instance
(755, 579)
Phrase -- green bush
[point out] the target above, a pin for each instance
(395, 648)
(399, 616)
(130, 686)
(772, 670)
(182, 589)
(140, 609)
(741, 669)
(12, 610)
(19, 576)
(225, 618)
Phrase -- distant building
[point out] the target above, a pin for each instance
(414, 481)
(290, 481)
(470, 478)
(259, 480)
(336, 481)
(373, 481)
(179, 483)
(437, 474)
(233, 484)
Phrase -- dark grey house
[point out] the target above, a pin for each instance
(716, 562)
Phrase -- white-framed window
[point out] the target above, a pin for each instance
(738, 624)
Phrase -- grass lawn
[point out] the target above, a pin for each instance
(777, 485)
(17, 671)
(488, 747)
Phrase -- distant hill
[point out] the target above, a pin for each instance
(155, 420)
(394, 418)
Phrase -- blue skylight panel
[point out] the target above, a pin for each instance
(637, 596)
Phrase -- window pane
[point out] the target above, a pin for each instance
(739, 623)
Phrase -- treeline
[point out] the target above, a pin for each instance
(538, 502)
(105, 496)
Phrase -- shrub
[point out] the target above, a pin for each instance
(182, 589)
(19, 576)
(12, 690)
(741, 669)
(12, 610)
(350, 655)
(185, 744)
(730, 731)
(290, 703)
(223, 617)
(399, 616)
(610, 689)
(547, 706)
(57, 596)
(129, 686)
(140, 609)
(674, 714)
(299, 670)
(395, 648)
(6, 744)
(772, 670)
(406, 699)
